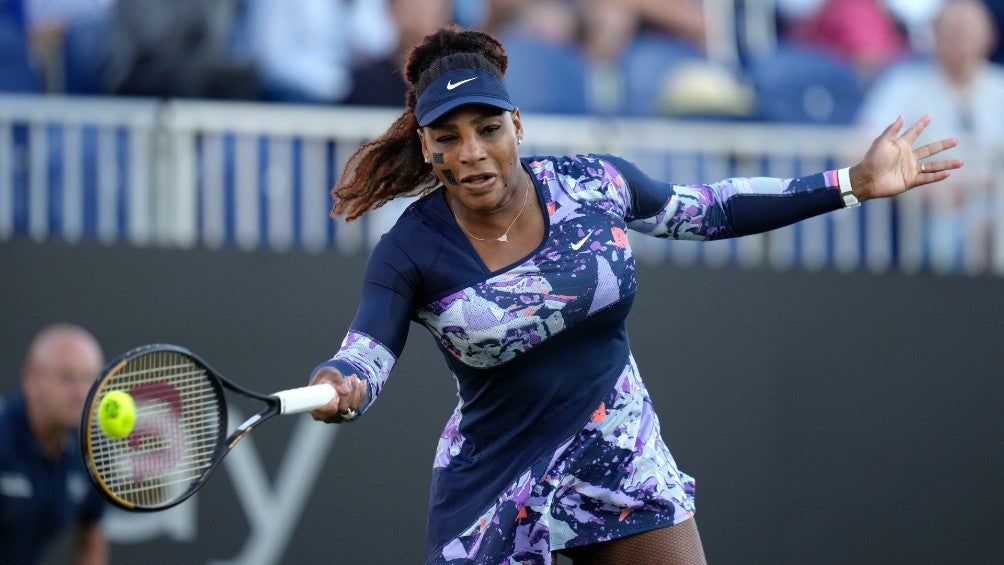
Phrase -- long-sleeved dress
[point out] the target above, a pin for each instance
(554, 442)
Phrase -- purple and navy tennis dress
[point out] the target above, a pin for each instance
(554, 442)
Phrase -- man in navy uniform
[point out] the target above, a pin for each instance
(43, 486)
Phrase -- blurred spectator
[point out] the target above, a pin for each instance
(861, 32)
(304, 50)
(379, 82)
(958, 85)
(176, 48)
(50, 23)
(963, 90)
(44, 490)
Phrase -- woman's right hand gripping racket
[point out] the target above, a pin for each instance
(179, 435)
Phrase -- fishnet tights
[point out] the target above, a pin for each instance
(675, 545)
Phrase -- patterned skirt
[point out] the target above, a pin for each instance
(614, 478)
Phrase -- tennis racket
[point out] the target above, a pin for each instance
(180, 432)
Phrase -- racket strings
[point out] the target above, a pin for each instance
(176, 436)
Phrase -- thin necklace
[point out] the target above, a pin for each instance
(505, 236)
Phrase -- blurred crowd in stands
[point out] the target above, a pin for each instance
(776, 60)
(837, 62)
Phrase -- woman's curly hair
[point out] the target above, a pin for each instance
(392, 164)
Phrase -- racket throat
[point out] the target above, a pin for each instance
(243, 430)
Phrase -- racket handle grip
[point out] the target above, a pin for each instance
(305, 399)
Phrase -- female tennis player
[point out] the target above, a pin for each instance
(521, 270)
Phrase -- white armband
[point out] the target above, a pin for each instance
(846, 193)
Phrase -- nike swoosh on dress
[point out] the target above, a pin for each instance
(576, 246)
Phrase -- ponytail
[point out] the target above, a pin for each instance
(385, 168)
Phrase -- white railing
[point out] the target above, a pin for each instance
(52, 147)
(185, 173)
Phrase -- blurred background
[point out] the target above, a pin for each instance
(165, 168)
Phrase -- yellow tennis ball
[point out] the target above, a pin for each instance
(117, 414)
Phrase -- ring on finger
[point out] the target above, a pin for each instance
(349, 414)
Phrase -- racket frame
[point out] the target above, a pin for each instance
(284, 402)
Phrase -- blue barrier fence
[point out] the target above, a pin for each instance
(184, 173)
